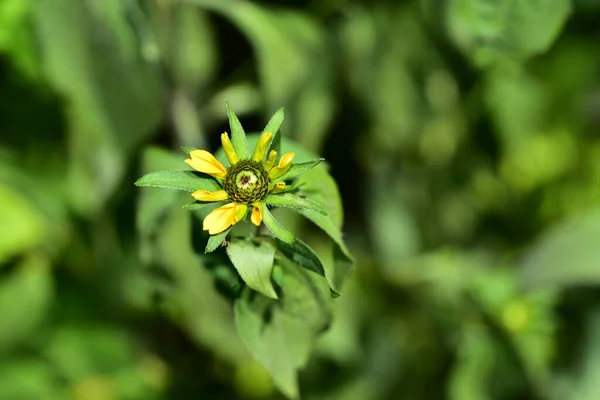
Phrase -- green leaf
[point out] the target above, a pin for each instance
(238, 136)
(490, 31)
(266, 340)
(214, 241)
(189, 181)
(567, 255)
(254, 263)
(280, 334)
(23, 225)
(25, 297)
(273, 127)
(292, 201)
(105, 123)
(299, 169)
(275, 227)
(301, 254)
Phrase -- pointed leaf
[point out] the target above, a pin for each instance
(254, 263)
(273, 127)
(301, 253)
(238, 136)
(275, 227)
(214, 241)
(299, 169)
(189, 181)
(188, 149)
(292, 201)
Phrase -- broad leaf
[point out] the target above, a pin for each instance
(254, 263)
(492, 30)
(567, 255)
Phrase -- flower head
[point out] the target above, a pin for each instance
(246, 183)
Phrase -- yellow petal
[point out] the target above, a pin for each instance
(277, 187)
(228, 149)
(256, 216)
(284, 165)
(205, 195)
(220, 219)
(205, 162)
(261, 146)
(270, 161)
(241, 211)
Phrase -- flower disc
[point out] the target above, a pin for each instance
(247, 182)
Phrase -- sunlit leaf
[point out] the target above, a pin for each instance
(254, 263)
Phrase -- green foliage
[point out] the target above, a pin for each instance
(460, 138)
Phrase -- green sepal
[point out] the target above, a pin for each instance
(214, 241)
(254, 263)
(197, 205)
(275, 227)
(190, 181)
(299, 169)
(188, 149)
(273, 127)
(292, 201)
(238, 136)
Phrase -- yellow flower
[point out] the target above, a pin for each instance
(246, 182)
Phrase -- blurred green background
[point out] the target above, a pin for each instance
(464, 137)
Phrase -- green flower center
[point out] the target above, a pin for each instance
(247, 182)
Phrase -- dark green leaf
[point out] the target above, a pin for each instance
(214, 241)
(254, 263)
(189, 181)
(292, 201)
(299, 169)
(300, 253)
(238, 136)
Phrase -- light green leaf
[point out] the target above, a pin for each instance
(266, 340)
(181, 180)
(275, 227)
(490, 31)
(25, 298)
(23, 225)
(280, 334)
(238, 136)
(567, 255)
(299, 169)
(292, 201)
(105, 123)
(214, 241)
(254, 263)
